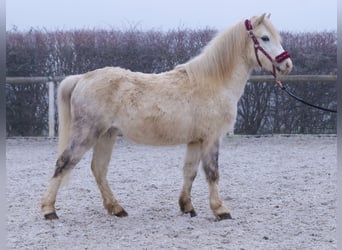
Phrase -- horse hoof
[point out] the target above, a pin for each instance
(121, 214)
(224, 216)
(193, 213)
(51, 216)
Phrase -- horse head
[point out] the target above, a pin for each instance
(265, 46)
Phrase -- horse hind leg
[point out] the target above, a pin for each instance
(210, 167)
(190, 169)
(99, 166)
(65, 163)
(79, 143)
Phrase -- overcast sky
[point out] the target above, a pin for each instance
(288, 15)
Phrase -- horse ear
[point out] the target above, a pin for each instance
(262, 17)
(258, 20)
(269, 15)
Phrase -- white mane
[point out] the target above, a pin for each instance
(218, 59)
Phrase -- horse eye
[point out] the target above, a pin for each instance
(265, 38)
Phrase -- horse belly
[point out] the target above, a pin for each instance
(157, 130)
(174, 127)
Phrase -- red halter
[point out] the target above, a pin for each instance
(278, 59)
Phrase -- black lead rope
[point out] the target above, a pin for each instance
(303, 101)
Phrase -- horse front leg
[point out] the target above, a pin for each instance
(210, 167)
(99, 166)
(192, 158)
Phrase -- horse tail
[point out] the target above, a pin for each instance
(65, 90)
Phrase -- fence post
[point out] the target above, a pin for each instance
(51, 109)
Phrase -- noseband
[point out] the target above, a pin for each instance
(278, 59)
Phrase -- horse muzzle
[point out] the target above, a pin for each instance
(283, 64)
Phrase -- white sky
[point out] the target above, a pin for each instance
(287, 15)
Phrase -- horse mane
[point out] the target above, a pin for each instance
(218, 59)
(223, 53)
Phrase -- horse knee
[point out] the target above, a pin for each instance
(212, 175)
(210, 163)
(211, 171)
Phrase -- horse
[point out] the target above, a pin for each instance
(194, 104)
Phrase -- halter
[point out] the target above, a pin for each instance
(278, 59)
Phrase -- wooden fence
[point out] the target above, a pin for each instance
(51, 82)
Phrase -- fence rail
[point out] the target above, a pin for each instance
(253, 78)
(51, 81)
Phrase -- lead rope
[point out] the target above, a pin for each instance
(280, 84)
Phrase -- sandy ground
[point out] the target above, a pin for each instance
(281, 192)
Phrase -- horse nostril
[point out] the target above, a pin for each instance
(287, 65)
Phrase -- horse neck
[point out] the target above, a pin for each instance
(223, 60)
